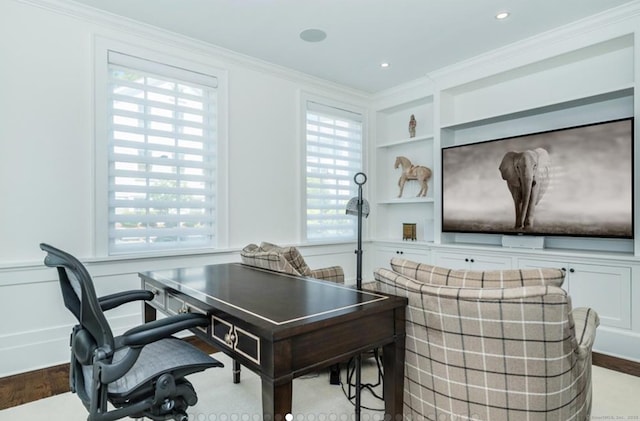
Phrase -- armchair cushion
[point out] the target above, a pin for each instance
(291, 255)
(287, 260)
(253, 255)
(435, 275)
(332, 273)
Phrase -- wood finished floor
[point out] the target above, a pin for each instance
(27, 387)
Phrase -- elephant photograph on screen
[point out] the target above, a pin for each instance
(575, 181)
(527, 176)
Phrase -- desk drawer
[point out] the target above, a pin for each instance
(233, 337)
(176, 305)
(159, 296)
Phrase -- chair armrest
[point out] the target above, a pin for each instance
(108, 302)
(371, 286)
(586, 321)
(160, 329)
(332, 273)
(270, 260)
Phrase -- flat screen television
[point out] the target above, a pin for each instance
(576, 181)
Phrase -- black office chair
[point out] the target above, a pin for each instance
(141, 373)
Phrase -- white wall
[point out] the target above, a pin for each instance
(47, 164)
(47, 132)
(47, 149)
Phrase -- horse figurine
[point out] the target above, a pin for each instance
(413, 172)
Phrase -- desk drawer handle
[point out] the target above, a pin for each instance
(230, 338)
(184, 310)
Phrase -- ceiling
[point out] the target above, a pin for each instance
(414, 36)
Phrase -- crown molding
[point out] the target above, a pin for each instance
(132, 27)
(422, 87)
(603, 26)
(517, 54)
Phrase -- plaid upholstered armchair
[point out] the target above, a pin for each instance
(493, 345)
(287, 260)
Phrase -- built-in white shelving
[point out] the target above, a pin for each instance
(392, 123)
(406, 201)
(406, 141)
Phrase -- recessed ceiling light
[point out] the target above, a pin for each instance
(384, 65)
(502, 15)
(313, 35)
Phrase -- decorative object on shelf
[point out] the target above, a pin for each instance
(409, 231)
(419, 173)
(412, 126)
(527, 176)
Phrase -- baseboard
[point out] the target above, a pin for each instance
(33, 385)
(616, 364)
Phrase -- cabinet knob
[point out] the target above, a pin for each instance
(572, 270)
(472, 260)
(399, 252)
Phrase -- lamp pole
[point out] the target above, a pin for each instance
(363, 179)
(360, 178)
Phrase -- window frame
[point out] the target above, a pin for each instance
(345, 105)
(101, 153)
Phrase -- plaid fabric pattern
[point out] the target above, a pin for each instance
(493, 354)
(292, 255)
(332, 273)
(477, 279)
(252, 255)
(286, 260)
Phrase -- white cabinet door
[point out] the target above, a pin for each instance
(451, 260)
(604, 288)
(384, 254)
(471, 261)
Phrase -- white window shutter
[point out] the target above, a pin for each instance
(162, 156)
(334, 154)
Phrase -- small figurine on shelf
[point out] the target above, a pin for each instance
(408, 232)
(419, 173)
(412, 126)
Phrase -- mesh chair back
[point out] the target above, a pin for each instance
(79, 294)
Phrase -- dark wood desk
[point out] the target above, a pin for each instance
(283, 326)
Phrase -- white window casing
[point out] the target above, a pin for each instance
(158, 152)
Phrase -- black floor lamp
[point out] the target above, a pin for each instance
(359, 207)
